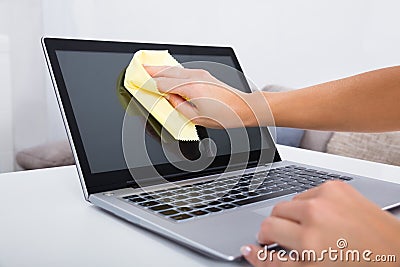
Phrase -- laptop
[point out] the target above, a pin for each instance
(125, 165)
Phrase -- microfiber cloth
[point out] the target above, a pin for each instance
(144, 88)
(134, 108)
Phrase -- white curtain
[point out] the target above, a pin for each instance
(22, 78)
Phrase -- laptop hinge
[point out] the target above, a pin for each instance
(211, 171)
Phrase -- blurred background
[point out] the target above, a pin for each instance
(289, 43)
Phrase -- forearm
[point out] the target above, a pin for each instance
(368, 102)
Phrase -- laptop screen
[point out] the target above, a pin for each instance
(111, 126)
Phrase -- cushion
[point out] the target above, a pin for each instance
(289, 136)
(46, 155)
(315, 140)
(378, 147)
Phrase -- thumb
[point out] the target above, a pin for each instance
(258, 256)
(250, 253)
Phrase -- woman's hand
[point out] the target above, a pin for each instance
(319, 217)
(205, 100)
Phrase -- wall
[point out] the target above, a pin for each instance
(295, 43)
(6, 112)
(289, 42)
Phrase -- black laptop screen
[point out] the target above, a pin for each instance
(99, 111)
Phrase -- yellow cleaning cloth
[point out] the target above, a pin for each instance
(144, 88)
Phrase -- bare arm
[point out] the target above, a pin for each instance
(368, 102)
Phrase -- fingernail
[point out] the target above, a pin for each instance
(167, 96)
(245, 250)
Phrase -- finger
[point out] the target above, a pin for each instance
(310, 193)
(168, 71)
(290, 210)
(277, 230)
(184, 107)
(171, 85)
(251, 254)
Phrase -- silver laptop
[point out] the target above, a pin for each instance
(128, 167)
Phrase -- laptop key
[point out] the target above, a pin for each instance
(346, 178)
(168, 212)
(234, 192)
(238, 196)
(295, 184)
(181, 191)
(209, 197)
(148, 197)
(226, 199)
(194, 189)
(194, 200)
(199, 213)
(313, 179)
(303, 181)
(166, 194)
(166, 200)
(200, 206)
(253, 194)
(137, 199)
(213, 209)
(286, 186)
(160, 191)
(298, 168)
(221, 189)
(149, 203)
(263, 197)
(336, 176)
(181, 217)
(214, 203)
(180, 203)
(180, 197)
(161, 207)
(184, 209)
(226, 206)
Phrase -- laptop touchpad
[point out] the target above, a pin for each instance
(266, 211)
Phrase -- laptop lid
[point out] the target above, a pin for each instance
(86, 74)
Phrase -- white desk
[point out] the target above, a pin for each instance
(46, 222)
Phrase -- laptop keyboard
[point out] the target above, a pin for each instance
(205, 198)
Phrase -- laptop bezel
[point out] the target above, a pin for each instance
(100, 182)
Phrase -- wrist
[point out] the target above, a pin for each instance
(256, 111)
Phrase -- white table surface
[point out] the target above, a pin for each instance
(46, 222)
